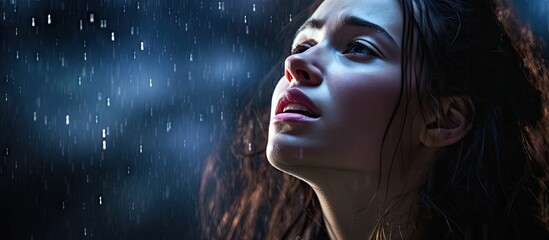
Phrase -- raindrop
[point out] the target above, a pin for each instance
(112, 36)
(34, 116)
(253, 7)
(191, 57)
(85, 232)
(150, 82)
(33, 23)
(7, 151)
(140, 148)
(168, 126)
(104, 145)
(92, 18)
(100, 200)
(81, 25)
(104, 133)
(49, 19)
(67, 120)
(63, 205)
(142, 45)
(108, 102)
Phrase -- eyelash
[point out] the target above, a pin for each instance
(300, 48)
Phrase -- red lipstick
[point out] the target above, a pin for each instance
(294, 105)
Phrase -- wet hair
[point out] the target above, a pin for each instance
(492, 184)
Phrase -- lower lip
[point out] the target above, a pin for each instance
(292, 117)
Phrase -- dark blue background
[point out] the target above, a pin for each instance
(110, 108)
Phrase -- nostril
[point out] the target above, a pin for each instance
(303, 74)
(288, 76)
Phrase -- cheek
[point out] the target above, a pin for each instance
(367, 100)
(363, 105)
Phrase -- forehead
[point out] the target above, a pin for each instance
(385, 13)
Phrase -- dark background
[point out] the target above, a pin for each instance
(109, 108)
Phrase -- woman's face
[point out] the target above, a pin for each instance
(342, 83)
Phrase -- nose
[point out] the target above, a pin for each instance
(302, 68)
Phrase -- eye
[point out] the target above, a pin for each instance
(302, 47)
(357, 48)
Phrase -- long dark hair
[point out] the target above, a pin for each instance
(490, 185)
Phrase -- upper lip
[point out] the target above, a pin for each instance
(296, 96)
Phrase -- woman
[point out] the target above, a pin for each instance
(409, 119)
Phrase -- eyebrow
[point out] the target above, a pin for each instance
(346, 21)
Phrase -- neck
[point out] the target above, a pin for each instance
(355, 207)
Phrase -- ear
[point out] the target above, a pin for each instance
(449, 123)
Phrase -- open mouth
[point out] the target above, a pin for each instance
(294, 101)
(299, 109)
